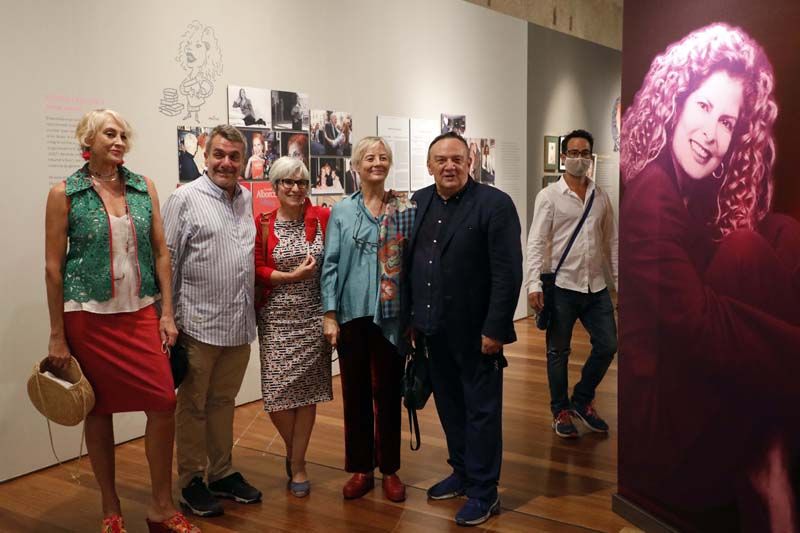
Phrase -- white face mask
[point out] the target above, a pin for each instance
(577, 166)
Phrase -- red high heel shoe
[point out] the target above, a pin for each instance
(113, 524)
(176, 524)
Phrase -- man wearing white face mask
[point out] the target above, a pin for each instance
(580, 290)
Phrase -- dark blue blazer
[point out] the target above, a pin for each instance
(481, 265)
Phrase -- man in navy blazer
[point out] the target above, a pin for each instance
(464, 278)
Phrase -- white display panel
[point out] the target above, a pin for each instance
(395, 131)
(423, 131)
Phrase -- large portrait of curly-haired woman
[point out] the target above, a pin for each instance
(710, 290)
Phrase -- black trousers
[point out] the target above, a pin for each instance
(468, 391)
(371, 371)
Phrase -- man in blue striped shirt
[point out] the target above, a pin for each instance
(211, 235)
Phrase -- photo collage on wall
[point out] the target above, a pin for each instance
(277, 123)
(331, 147)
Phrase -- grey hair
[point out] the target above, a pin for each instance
(286, 167)
(365, 144)
(229, 133)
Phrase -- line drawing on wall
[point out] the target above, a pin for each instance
(200, 56)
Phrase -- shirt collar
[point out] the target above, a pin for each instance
(563, 188)
(216, 189)
(460, 194)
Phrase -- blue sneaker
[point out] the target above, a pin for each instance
(477, 511)
(590, 418)
(563, 426)
(450, 487)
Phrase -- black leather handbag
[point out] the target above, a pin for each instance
(416, 387)
(548, 279)
(178, 362)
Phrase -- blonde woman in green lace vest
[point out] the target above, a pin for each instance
(107, 265)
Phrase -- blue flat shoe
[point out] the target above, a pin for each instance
(300, 489)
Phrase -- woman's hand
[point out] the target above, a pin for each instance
(330, 328)
(58, 351)
(168, 330)
(306, 269)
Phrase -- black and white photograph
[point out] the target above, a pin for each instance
(248, 107)
(456, 123)
(331, 133)
(191, 152)
(290, 111)
(294, 144)
(327, 175)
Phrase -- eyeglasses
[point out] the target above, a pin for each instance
(363, 243)
(288, 183)
(586, 154)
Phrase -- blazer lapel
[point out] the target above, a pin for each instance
(464, 210)
(424, 201)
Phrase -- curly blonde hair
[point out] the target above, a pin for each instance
(745, 193)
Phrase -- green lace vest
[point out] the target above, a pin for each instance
(87, 274)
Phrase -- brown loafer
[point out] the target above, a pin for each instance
(358, 485)
(393, 488)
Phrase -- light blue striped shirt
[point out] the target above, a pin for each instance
(211, 239)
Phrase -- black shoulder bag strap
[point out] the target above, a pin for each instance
(575, 233)
(413, 424)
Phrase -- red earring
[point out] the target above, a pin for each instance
(85, 154)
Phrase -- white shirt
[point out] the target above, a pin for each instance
(211, 239)
(556, 214)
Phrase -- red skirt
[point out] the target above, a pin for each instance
(121, 357)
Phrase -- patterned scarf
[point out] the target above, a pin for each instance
(396, 223)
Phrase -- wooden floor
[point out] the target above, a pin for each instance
(547, 484)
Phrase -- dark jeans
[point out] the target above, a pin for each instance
(596, 313)
(371, 371)
(468, 390)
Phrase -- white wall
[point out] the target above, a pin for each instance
(413, 58)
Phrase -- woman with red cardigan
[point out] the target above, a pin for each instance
(295, 358)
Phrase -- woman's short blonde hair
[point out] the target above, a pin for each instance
(91, 122)
(365, 144)
(287, 167)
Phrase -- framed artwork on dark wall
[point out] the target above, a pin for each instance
(550, 153)
(561, 167)
(548, 179)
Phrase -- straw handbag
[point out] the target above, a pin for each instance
(64, 396)
(63, 403)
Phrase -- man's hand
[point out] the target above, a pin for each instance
(536, 300)
(490, 346)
